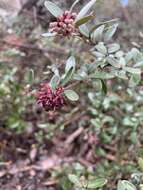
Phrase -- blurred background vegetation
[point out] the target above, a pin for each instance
(101, 135)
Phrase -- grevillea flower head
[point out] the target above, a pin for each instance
(50, 99)
(64, 25)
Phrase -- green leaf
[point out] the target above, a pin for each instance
(119, 54)
(133, 137)
(137, 55)
(112, 48)
(101, 75)
(122, 61)
(98, 54)
(132, 70)
(53, 8)
(65, 183)
(120, 73)
(101, 48)
(75, 180)
(140, 163)
(69, 70)
(114, 62)
(130, 121)
(71, 62)
(84, 30)
(85, 9)
(96, 35)
(125, 185)
(110, 32)
(96, 183)
(139, 64)
(48, 34)
(71, 95)
(129, 56)
(134, 80)
(96, 123)
(83, 20)
(55, 81)
(101, 23)
(30, 76)
(104, 87)
(67, 76)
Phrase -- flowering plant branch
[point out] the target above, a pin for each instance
(108, 59)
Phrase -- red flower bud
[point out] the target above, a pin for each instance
(74, 15)
(60, 18)
(61, 24)
(67, 13)
(53, 24)
(64, 25)
(50, 99)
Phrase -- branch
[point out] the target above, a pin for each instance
(58, 51)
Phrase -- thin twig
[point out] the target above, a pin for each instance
(73, 136)
(36, 48)
(72, 85)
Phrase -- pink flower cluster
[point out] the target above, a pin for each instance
(64, 24)
(50, 99)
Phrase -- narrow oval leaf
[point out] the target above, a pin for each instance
(70, 63)
(132, 70)
(69, 70)
(85, 9)
(137, 55)
(84, 30)
(53, 8)
(96, 35)
(122, 62)
(125, 185)
(96, 183)
(101, 23)
(67, 76)
(55, 81)
(112, 48)
(121, 74)
(75, 180)
(83, 20)
(110, 32)
(71, 95)
(129, 56)
(98, 54)
(101, 75)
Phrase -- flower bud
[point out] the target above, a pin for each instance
(74, 15)
(61, 18)
(64, 25)
(50, 99)
(53, 24)
(61, 24)
(66, 13)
